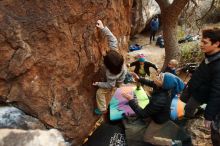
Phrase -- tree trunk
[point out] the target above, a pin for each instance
(169, 17)
(170, 37)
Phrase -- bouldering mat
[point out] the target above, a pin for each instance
(107, 135)
(177, 108)
(119, 106)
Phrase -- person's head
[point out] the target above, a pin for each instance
(169, 81)
(172, 64)
(141, 60)
(155, 18)
(113, 61)
(210, 43)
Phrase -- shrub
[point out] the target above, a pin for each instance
(190, 53)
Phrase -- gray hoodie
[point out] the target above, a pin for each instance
(112, 79)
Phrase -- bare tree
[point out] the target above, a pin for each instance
(170, 12)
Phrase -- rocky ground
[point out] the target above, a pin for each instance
(152, 52)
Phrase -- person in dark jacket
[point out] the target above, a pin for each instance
(142, 66)
(154, 26)
(160, 41)
(204, 85)
(171, 67)
(158, 108)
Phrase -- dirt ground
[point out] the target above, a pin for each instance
(152, 52)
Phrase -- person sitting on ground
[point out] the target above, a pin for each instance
(160, 41)
(158, 108)
(171, 67)
(142, 66)
(115, 72)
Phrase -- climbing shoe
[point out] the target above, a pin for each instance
(97, 111)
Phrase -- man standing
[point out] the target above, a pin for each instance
(204, 85)
(154, 26)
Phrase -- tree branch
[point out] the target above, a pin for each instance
(177, 6)
(195, 3)
(209, 10)
(163, 3)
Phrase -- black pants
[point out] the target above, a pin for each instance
(191, 103)
(191, 106)
(215, 136)
(152, 35)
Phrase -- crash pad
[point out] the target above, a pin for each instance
(119, 106)
(177, 108)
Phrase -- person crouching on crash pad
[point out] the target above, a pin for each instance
(158, 109)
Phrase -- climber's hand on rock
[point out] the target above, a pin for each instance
(95, 83)
(99, 24)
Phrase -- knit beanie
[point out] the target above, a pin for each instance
(141, 59)
(173, 83)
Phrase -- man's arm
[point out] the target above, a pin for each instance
(133, 64)
(147, 82)
(152, 65)
(149, 110)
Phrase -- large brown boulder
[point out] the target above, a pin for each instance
(50, 53)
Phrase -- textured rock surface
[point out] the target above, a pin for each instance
(11, 117)
(50, 53)
(15, 137)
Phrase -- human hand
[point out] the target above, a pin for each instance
(158, 72)
(135, 76)
(128, 65)
(127, 96)
(207, 124)
(99, 24)
(95, 83)
(158, 80)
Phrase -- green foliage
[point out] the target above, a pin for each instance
(190, 53)
(180, 32)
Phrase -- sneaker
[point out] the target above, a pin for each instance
(97, 111)
(176, 143)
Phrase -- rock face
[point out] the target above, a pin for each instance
(50, 53)
(11, 117)
(142, 12)
(15, 137)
